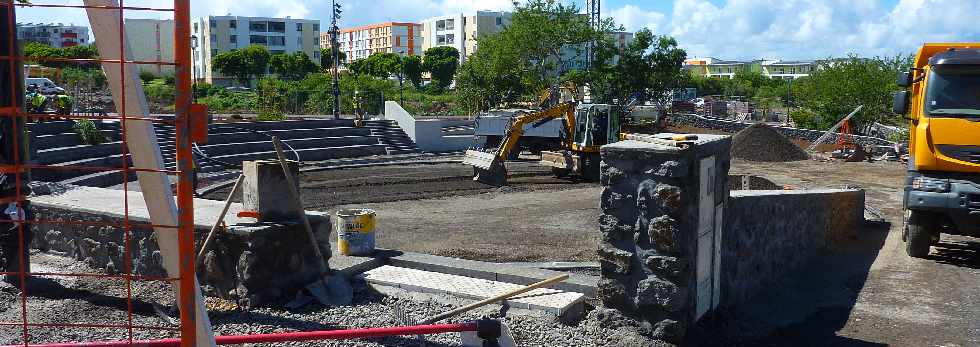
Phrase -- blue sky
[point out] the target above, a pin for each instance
(727, 29)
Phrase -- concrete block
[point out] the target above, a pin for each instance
(265, 190)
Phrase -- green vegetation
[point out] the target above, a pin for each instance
(441, 63)
(840, 85)
(37, 53)
(243, 63)
(292, 67)
(88, 132)
(326, 58)
(649, 67)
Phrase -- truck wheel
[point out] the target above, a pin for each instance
(921, 227)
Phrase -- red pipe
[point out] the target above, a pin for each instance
(284, 337)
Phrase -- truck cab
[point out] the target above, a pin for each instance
(942, 103)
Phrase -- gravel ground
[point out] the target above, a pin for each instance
(88, 300)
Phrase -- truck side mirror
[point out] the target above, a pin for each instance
(904, 79)
(900, 102)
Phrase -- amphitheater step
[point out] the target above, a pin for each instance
(302, 133)
(62, 154)
(310, 154)
(297, 144)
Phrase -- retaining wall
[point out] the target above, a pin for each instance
(733, 126)
(770, 234)
(258, 263)
(428, 134)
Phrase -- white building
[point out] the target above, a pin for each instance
(217, 34)
(152, 40)
(787, 70)
(462, 30)
(55, 35)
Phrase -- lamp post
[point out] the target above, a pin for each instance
(401, 77)
(335, 52)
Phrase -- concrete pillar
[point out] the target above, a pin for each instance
(264, 190)
(660, 227)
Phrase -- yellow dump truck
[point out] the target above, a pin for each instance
(942, 101)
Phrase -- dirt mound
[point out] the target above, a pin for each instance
(760, 142)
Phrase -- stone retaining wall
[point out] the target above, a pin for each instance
(770, 234)
(258, 263)
(732, 126)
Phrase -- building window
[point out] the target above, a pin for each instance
(440, 25)
(214, 24)
(500, 21)
(258, 26)
(259, 39)
(195, 27)
(449, 39)
(299, 27)
(449, 24)
(233, 39)
(299, 41)
(214, 52)
(316, 55)
(277, 27)
(214, 38)
(316, 27)
(441, 39)
(233, 24)
(277, 40)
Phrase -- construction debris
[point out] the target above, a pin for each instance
(760, 142)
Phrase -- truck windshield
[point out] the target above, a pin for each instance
(954, 91)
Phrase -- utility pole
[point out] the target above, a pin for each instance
(335, 52)
(594, 21)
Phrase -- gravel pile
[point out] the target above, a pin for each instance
(759, 142)
(87, 300)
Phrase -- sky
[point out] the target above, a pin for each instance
(724, 29)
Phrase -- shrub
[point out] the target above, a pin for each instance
(147, 76)
(88, 132)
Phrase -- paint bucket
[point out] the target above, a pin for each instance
(355, 231)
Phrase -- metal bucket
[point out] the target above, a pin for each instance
(355, 231)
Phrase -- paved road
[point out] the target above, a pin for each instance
(872, 293)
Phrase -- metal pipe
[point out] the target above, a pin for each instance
(287, 336)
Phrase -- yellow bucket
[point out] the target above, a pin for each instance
(355, 231)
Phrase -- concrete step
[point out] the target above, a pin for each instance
(300, 133)
(63, 154)
(53, 127)
(262, 146)
(64, 171)
(288, 124)
(100, 179)
(310, 154)
(567, 305)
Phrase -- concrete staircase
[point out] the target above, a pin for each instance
(55, 143)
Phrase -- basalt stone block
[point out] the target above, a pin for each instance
(670, 168)
(666, 266)
(614, 229)
(611, 292)
(662, 233)
(614, 260)
(661, 293)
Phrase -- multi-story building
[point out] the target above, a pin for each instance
(576, 57)
(151, 40)
(773, 68)
(217, 34)
(462, 31)
(788, 70)
(55, 35)
(391, 37)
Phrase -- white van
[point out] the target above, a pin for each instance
(44, 85)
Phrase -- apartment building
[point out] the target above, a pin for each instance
(462, 30)
(390, 37)
(55, 35)
(773, 68)
(216, 34)
(151, 40)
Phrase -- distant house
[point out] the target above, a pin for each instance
(54, 35)
(773, 68)
(390, 37)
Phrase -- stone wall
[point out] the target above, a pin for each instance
(259, 263)
(770, 234)
(732, 126)
(650, 211)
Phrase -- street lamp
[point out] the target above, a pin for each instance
(401, 77)
(335, 51)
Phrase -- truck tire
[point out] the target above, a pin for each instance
(919, 229)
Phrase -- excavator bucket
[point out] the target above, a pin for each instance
(487, 167)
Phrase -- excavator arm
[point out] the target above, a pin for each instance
(488, 164)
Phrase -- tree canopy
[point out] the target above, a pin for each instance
(383, 65)
(38, 53)
(412, 69)
(648, 68)
(326, 58)
(442, 63)
(837, 86)
(293, 66)
(242, 63)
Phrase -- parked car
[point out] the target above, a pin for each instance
(44, 85)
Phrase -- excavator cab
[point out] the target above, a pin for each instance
(595, 125)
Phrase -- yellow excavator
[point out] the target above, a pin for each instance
(585, 127)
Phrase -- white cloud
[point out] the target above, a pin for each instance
(635, 18)
(801, 29)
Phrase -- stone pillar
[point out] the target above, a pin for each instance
(660, 212)
(265, 191)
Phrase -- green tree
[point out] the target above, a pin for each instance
(837, 86)
(442, 63)
(39, 53)
(412, 69)
(383, 65)
(648, 68)
(243, 63)
(292, 67)
(326, 58)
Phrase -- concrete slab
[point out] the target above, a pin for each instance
(493, 271)
(567, 305)
(350, 266)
